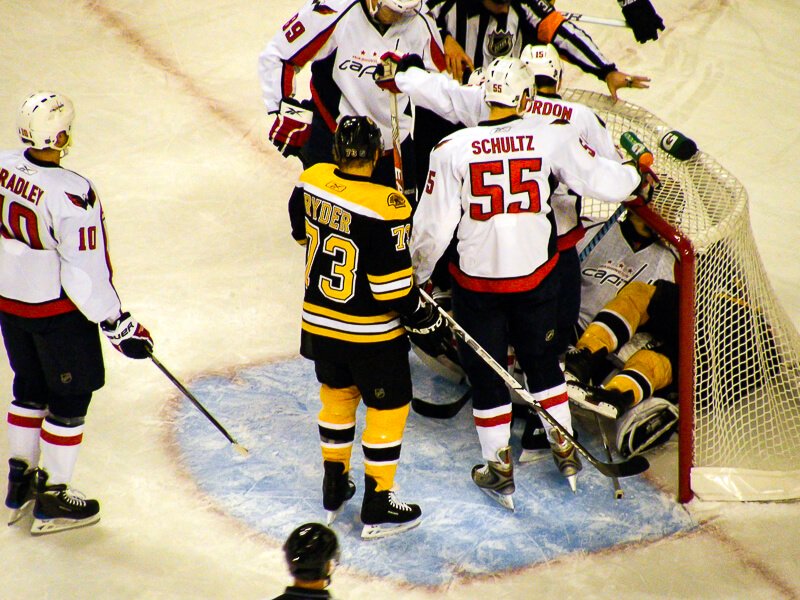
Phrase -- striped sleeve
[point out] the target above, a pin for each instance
(392, 285)
(389, 272)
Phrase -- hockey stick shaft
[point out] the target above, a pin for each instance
(239, 448)
(626, 468)
(618, 493)
(602, 232)
(398, 157)
(578, 17)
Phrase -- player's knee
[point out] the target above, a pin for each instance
(69, 411)
(66, 421)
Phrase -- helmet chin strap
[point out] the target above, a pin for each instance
(374, 8)
(64, 150)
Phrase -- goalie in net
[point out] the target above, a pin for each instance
(622, 364)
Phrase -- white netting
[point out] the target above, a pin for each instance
(746, 349)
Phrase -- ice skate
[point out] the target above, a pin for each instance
(21, 489)
(566, 458)
(337, 488)
(496, 478)
(383, 514)
(581, 365)
(534, 442)
(58, 508)
(588, 398)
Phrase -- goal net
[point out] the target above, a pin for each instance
(739, 369)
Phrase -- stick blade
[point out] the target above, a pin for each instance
(626, 468)
(241, 449)
(439, 411)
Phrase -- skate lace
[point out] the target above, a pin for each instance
(74, 497)
(397, 504)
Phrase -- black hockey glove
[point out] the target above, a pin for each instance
(128, 336)
(390, 65)
(642, 18)
(428, 330)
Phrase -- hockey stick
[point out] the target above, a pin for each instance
(440, 411)
(626, 468)
(389, 68)
(236, 445)
(571, 16)
(602, 232)
(618, 493)
(398, 157)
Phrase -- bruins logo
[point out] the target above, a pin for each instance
(396, 201)
(332, 185)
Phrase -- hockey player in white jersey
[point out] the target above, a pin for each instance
(490, 186)
(55, 287)
(342, 42)
(465, 104)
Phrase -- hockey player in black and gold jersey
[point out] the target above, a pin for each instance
(359, 301)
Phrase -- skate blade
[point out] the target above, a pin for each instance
(18, 513)
(578, 395)
(382, 530)
(45, 526)
(573, 483)
(332, 514)
(504, 500)
(532, 456)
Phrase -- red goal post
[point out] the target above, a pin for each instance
(739, 364)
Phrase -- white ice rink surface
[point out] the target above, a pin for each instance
(171, 129)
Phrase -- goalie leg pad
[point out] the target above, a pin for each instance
(647, 425)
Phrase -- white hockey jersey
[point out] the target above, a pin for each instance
(53, 256)
(457, 103)
(613, 263)
(490, 187)
(344, 49)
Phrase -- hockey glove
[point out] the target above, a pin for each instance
(128, 336)
(642, 18)
(391, 64)
(292, 126)
(428, 330)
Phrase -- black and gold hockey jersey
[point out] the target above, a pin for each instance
(358, 276)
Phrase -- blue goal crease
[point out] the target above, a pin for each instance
(272, 410)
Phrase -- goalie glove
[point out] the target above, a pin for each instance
(292, 126)
(428, 330)
(128, 336)
(642, 18)
(392, 64)
(647, 425)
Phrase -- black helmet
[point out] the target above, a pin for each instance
(357, 138)
(308, 551)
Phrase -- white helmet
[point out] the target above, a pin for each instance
(42, 117)
(507, 79)
(542, 61)
(477, 77)
(403, 7)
